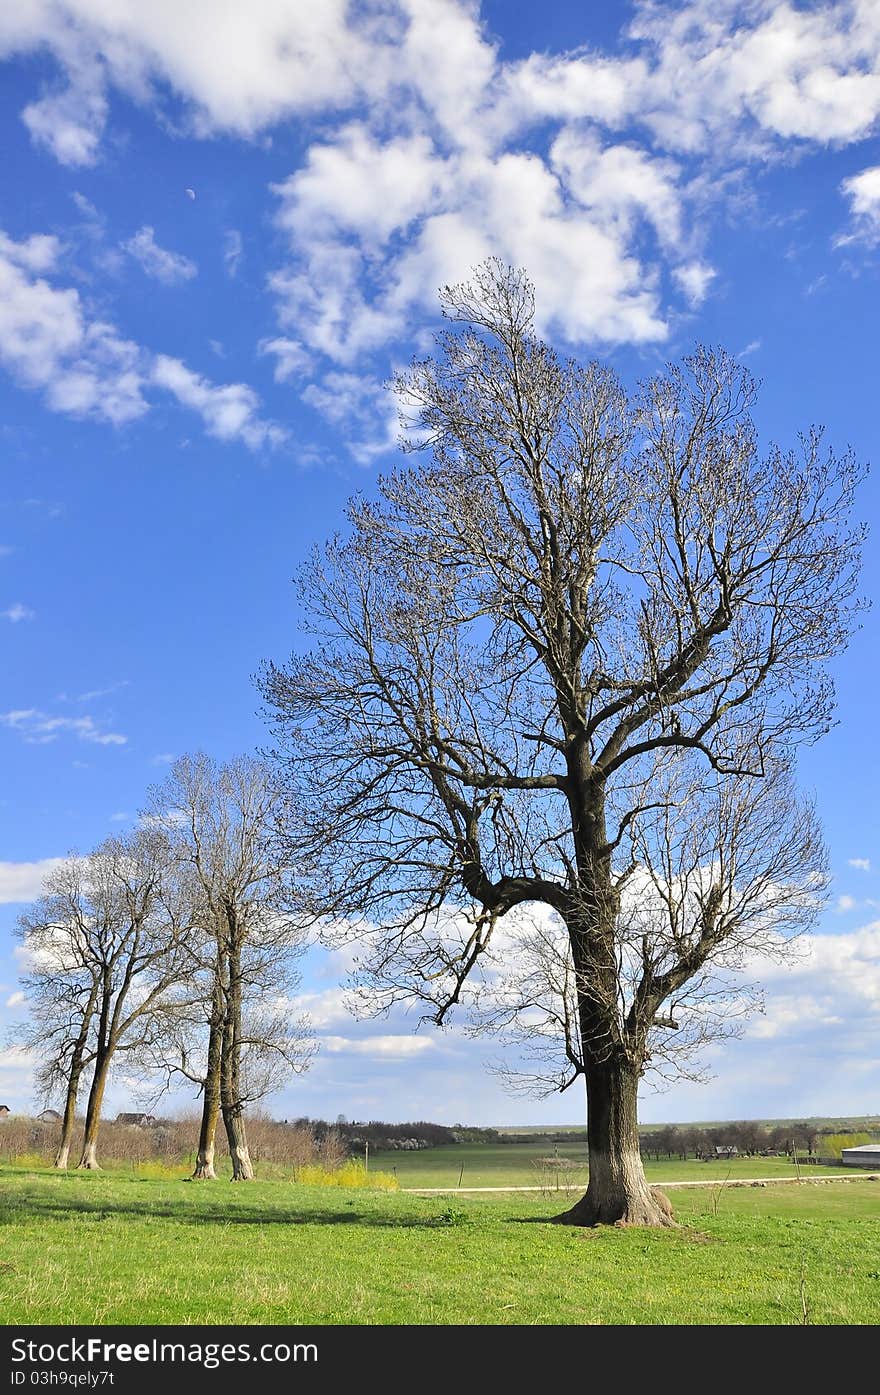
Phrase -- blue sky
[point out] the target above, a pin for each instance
(222, 226)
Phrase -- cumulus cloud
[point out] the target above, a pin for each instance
(15, 999)
(230, 412)
(69, 123)
(170, 268)
(86, 368)
(589, 168)
(23, 881)
(834, 983)
(40, 728)
(863, 193)
(861, 864)
(237, 70)
(47, 341)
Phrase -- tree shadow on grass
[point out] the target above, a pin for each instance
(215, 1213)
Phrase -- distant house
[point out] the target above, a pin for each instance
(865, 1155)
(726, 1150)
(4, 1110)
(140, 1121)
(49, 1116)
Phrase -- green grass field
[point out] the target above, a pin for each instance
(521, 1165)
(102, 1248)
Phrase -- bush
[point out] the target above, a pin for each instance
(351, 1174)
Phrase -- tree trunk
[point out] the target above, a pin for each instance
(242, 1167)
(63, 1151)
(618, 1192)
(89, 1159)
(204, 1169)
(230, 1064)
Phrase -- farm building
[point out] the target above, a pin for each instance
(865, 1155)
(49, 1116)
(140, 1121)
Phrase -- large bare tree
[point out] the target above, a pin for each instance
(237, 1037)
(573, 599)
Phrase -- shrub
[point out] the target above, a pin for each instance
(832, 1145)
(350, 1175)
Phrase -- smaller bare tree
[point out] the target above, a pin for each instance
(218, 823)
(61, 990)
(112, 933)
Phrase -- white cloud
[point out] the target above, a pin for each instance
(381, 1047)
(590, 169)
(93, 693)
(23, 881)
(835, 982)
(694, 280)
(292, 360)
(70, 122)
(168, 267)
(17, 612)
(863, 192)
(326, 1008)
(232, 251)
(15, 999)
(39, 728)
(846, 903)
(344, 303)
(764, 71)
(365, 413)
(861, 864)
(758, 74)
(619, 183)
(573, 88)
(86, 368)
(48, 342)
(229, 412)
(37, 253)
(87, 209)
(238, 69)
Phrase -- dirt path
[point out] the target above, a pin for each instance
(709, 1182)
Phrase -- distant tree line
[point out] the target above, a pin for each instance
(748, 1137)
(381, 1135)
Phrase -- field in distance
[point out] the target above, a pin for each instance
(546, 1164)
(854, 1123)
(104, 1248)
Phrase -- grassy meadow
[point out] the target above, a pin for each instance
(114, 1248)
